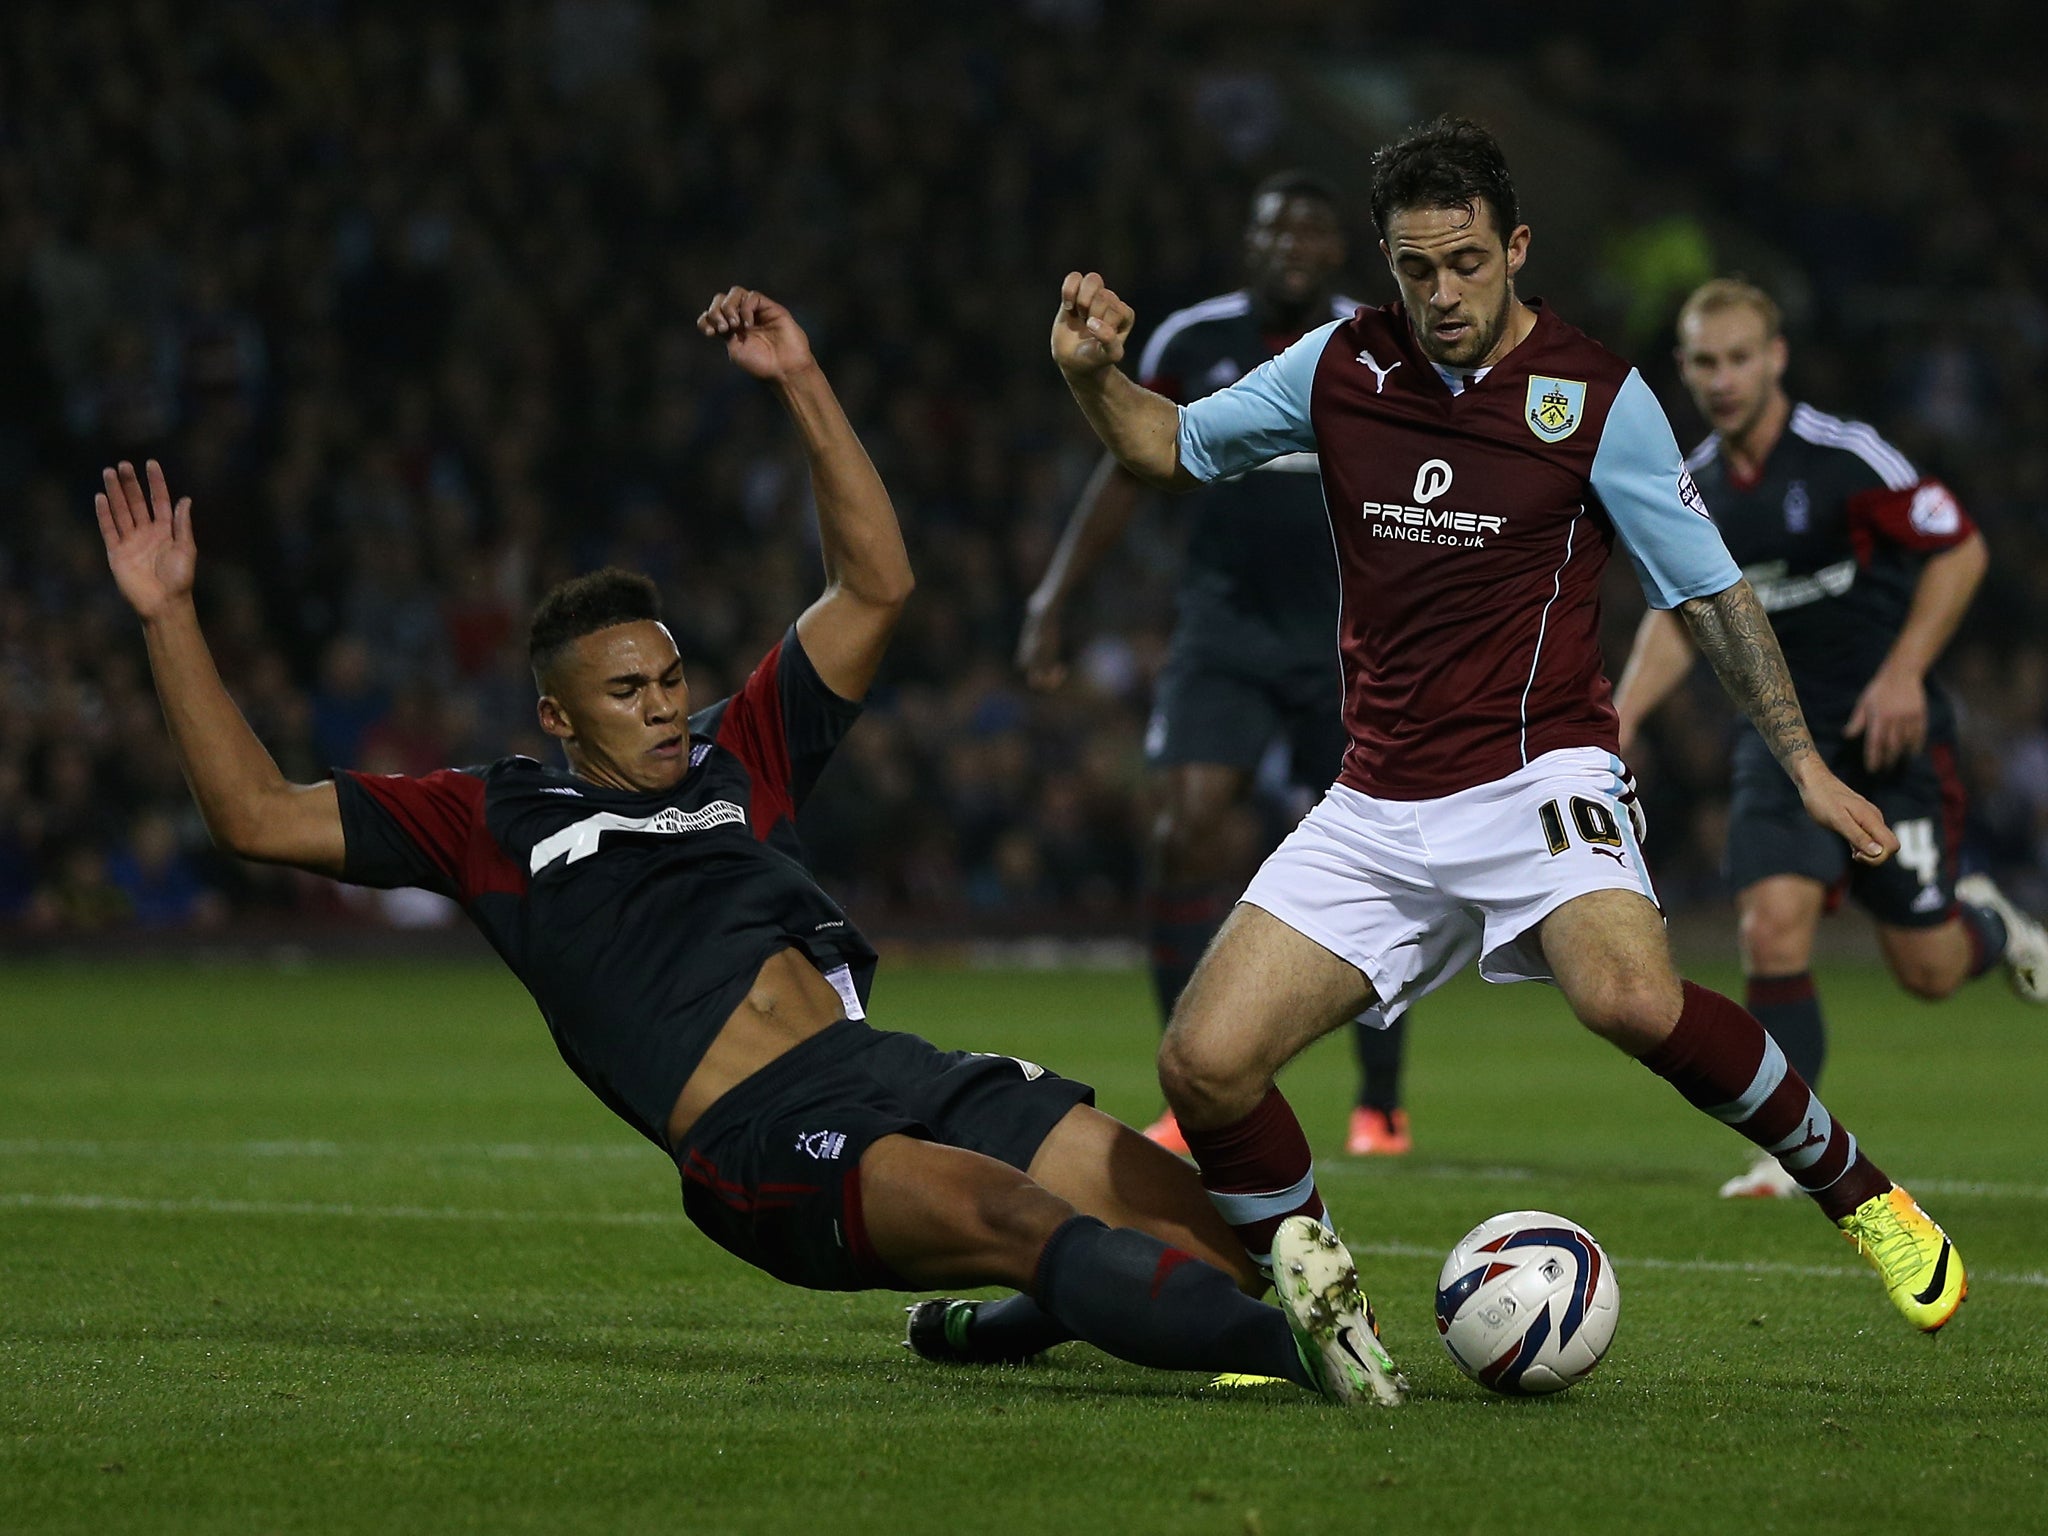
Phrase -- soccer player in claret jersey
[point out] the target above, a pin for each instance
(653, 899)
(1480, 459)
(1250, 662)
(1866, 568)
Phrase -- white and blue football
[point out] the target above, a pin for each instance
(1527, 1303)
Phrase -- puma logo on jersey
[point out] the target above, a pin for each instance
(579, 840)
(1379, 374)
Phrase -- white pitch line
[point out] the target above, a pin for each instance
(200, 1205)
(2029, 1277)
(206, 1206)
(508, 1151)
(1961, 1188)
(606, 1152)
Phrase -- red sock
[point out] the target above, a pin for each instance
(1725, 1063)
(1258, 1172)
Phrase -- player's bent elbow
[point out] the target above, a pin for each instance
(287, 826)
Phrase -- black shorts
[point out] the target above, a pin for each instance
(771, 1172)
(1769, 832)
(1207, 710)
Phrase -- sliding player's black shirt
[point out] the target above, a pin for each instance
(637, 921)
(1832, 533)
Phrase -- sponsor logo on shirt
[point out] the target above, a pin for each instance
(1420, 523)
(1777, 589)
(1432, 480)
(579, 840)
(1555, 406)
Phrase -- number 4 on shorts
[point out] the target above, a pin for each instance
(1594, 821)
(1918, 851)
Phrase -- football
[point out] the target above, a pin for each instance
(1527, 1303)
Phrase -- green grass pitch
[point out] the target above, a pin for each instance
(350, 1250)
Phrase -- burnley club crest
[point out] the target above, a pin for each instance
(1555, 407)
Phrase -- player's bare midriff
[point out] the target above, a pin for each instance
(787, 1004)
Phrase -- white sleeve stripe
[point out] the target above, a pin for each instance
(1859, 438)
(1705, 453)
(1224, 306)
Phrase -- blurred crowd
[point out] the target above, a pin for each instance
(403, 300)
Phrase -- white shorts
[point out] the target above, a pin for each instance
(1411, 891)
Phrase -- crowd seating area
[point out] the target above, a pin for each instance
(403, 300)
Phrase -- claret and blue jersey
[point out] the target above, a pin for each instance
(1473, 516)
(637, 921)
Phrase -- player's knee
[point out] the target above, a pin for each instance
(1633, 1010)
(1771, 946)
(1201, 1082)
(1182, 837)
(1927, 979)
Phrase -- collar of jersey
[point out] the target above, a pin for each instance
(590, 788)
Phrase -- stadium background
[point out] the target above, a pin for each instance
(403, 299)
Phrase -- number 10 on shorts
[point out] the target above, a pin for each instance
(1596, 825)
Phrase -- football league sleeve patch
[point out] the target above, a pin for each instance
(1641, 479)
(1257, 419)
(1925, 518)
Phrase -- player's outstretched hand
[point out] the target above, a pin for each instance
(1840, 809)
(149, 538)
(1091, 327)
(759, 334)
(1891, 717)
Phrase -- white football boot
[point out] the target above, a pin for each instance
(1332, 1321)
(2026, 941)
(1765, 1180)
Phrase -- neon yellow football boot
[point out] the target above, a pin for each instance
(1921, 1270)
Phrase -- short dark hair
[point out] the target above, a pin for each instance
(582, 606)
(1296, 183)
(1447, 162)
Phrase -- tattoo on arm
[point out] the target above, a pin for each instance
(1732, 632)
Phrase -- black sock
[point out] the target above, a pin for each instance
(1132, 1296)
(1379, 1063)
(1180, 921)
(1789, 1008)
(1013, 1328)
(1987, 933)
